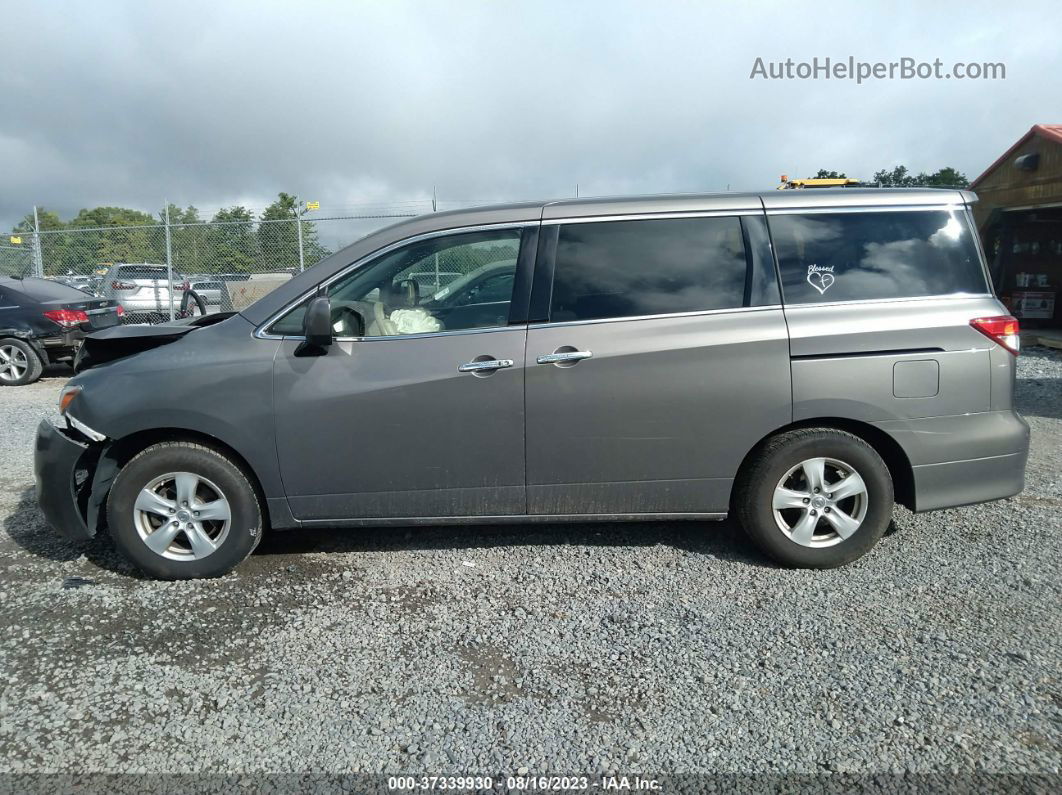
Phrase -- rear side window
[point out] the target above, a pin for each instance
(614, 269)
(142, 272)
(876, 255)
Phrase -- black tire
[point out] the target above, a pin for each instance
(191, 297)
(217, 473)
(28, 370)
(754, 496)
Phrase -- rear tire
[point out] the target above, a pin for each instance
(180, 510)
(19, 363)
(815, 498)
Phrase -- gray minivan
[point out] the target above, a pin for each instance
(801, 359)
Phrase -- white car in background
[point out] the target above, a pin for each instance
(143, 289)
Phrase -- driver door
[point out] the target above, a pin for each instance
(421, 417)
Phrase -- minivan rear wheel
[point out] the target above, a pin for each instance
(815, 498)
(181, 510)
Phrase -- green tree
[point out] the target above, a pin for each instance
(900, 177)
(188, 241)
(231, 245)
(54, 241)
(946, 177)
(824, 174)
(278, 236)
(102, 236)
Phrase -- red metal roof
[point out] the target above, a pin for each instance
(1052, 132)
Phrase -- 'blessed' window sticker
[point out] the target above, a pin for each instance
(820, 277)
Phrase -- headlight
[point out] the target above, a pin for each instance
(66, 397)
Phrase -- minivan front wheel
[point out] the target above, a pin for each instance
(180, 510)
(815, 498)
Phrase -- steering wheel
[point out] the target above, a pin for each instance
(347, 322)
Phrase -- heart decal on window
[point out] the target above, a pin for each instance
(819, 279)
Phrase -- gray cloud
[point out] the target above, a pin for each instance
(356, 103)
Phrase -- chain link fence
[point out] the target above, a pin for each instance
(173, 268)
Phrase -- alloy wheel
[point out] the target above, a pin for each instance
(13, 363)
(820, 502)
(182, 516)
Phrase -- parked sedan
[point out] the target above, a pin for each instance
(209, 291)
(43, 321)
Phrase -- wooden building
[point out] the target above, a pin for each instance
(1019, 216)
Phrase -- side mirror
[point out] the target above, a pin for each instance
(317, 322)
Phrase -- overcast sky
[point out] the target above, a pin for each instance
(113, 103)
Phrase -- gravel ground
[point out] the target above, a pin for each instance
(660, 648)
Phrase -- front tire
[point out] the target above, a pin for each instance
(181, 510)
(19, 363)
(815, 498)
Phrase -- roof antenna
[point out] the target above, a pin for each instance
(577, 190)
(434, 203)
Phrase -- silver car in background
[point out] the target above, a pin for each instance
(143, 289)
(209, 290)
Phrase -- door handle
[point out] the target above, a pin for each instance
(484, 365)
(564, 357)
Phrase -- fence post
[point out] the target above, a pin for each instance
(434, 209)
(169, 258)
(298, 221)
(38, 257)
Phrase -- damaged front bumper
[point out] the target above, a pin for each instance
(73, 474)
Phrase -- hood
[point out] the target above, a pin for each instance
(118, 342)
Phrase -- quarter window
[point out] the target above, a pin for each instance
(876, 255)
(615, 269)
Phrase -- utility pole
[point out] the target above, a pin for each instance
(38, 258)
(298, 223)
(169, 258)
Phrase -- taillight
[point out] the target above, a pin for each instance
(1002, 329)
(67, 318)
(123, 285)
(120, 310)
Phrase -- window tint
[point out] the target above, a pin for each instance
(143, 272)
(628, 268)
(488, 284)
(762, 283)
(494, 288)
(874, 255)
(425, 287)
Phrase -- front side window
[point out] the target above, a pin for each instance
(876, 255)
(615, 269)
(447, 283)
